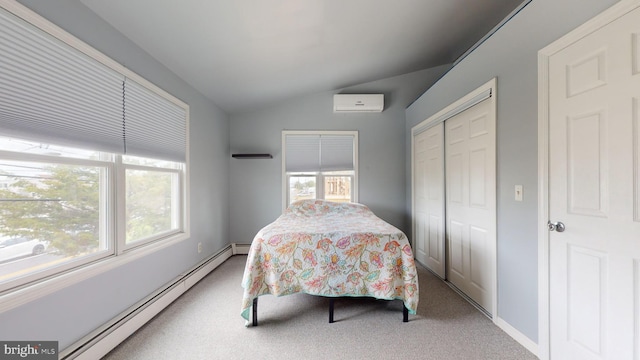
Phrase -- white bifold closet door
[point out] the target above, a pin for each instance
(429, 198)
(470, 163)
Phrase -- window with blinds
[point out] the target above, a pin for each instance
(52, 92)
(320, 165)
(93, 158)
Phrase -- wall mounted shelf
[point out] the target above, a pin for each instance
(252, 156)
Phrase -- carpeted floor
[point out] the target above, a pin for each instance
(205, 323)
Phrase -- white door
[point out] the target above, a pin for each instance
(471, 202)
(594, 190)
(428, 186)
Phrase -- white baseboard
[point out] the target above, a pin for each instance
(106, 338)
(240, 249)
(499, 322)
(517, 335)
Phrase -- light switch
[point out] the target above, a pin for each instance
(519, 194)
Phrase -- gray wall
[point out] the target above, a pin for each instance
(71, 313)
(256, 185)
(511, 56)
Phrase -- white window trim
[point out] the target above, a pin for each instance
(121, 241)
(285, 177)
(34, 285)
(105, 218)
(320, 180)
(22, 294)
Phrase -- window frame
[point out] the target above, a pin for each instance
(121, 223)
(113, 219)
(320, 175)
(22, 290)
(105, 218)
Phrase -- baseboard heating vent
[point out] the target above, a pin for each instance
(241, 249)
(107, 337)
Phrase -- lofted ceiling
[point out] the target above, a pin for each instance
(243, 54)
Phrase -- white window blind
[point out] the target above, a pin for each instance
(336, 152)
(302, 153)
(154, 126)
(51, 92)
(313, 153)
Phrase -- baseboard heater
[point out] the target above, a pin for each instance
(104, 339)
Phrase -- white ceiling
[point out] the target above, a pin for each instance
(243, 54)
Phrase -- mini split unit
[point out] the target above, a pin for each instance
(358, 103)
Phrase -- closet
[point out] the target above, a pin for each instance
(454, 195)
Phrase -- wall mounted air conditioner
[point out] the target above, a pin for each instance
(358, 103)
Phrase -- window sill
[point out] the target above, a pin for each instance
(14, 298)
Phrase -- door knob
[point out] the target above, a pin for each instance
(556, 226)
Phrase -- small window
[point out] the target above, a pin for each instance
(338, 185)
(301, 187)
(320, 165)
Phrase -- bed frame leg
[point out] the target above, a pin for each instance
(405, 314)
(255, 312)
(331, 301)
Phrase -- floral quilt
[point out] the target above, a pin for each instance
(330, 249)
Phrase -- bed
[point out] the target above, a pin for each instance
(330, 249)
